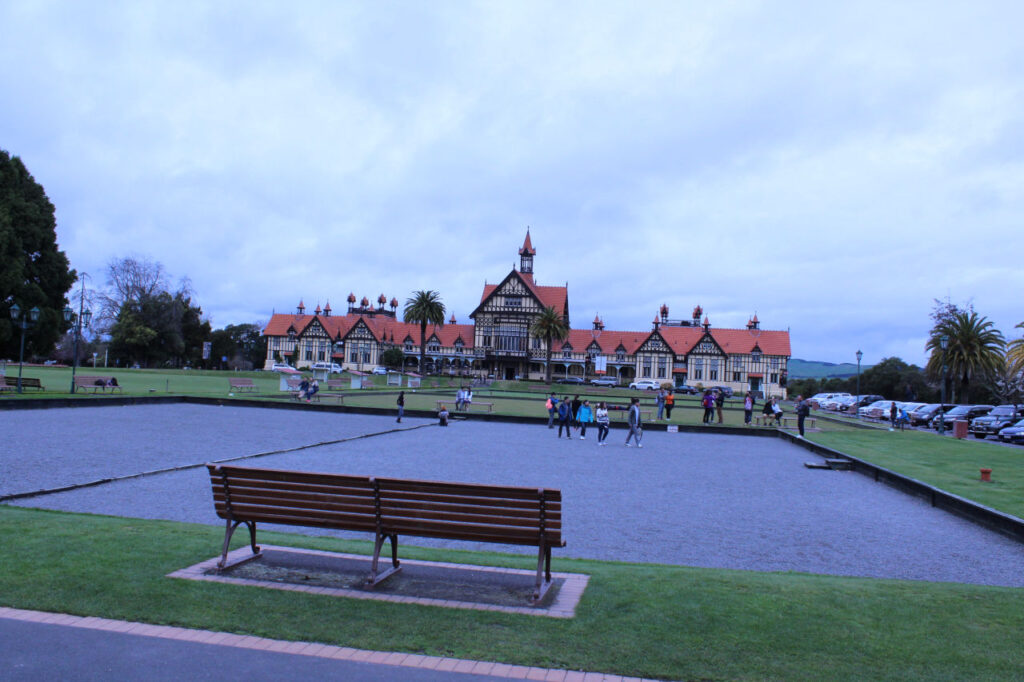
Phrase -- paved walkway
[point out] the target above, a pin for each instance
(49, 646)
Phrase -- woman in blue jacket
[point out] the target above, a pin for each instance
(584, 416)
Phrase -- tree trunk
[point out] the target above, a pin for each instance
(547, 367)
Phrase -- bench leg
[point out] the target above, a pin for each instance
(229, 530)
(543, 572)
(378, 544)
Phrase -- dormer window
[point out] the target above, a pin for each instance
(459, 346)
(514, 301)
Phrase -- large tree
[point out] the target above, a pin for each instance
(1015, 352)
(147, 323)
(243, 345)
(551, 327)
(974, 348)
(34, 272)
(425, 307)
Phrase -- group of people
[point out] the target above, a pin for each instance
(711, 401)
(463, 399)
(577, 414)
(665, 400)
(308, 388)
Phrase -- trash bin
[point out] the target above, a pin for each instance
(959, 428)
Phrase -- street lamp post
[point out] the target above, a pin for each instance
(23, 321)
(859, 356)
(82, 318)
(944, 344)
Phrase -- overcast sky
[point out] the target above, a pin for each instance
(831, 167)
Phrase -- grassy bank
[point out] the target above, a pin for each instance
(643, 620)
(944, 462)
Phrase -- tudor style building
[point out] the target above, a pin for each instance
(498, 342)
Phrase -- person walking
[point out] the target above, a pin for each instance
(708, 402)
(748, 408)
(803, 408)
(584, 417)
(575, 410)
(719, 402)
(670, 402)
(636, 427)
(401, 406)
(603, 420)
(552, 405)
(564, 417)
(660, 402)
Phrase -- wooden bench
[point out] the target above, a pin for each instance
(764, 419)
(645, 415)
(243, 385)
(96, 384)
(26, 382)
(808, 422)
(388, 507)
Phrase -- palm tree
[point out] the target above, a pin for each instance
(1015, 353)
(974, 348)
(424, 308)
(551, 327)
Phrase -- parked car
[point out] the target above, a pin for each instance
(995, 421)
(924, 415)
(577, 381)
(604, 381)
(283, 367)
(874, 410)
(646, 385)
(378, 370)
(818, 399)
(687, 390)
(1013, 434)
(864, 401)
(329, 366)
(966, 413)
(724, 390)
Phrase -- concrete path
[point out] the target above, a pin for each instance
(36, 646)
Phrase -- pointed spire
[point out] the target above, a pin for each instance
(527, 249)
(302, 308)
(452, 321)
(318, 310)
(327, 309)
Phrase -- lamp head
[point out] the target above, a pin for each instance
(67, 312)
(15, 311)
(33, 315)
(87, 317)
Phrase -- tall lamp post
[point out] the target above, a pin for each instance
(859, 356)
(82, 318)
(944, 344)
(24, 322)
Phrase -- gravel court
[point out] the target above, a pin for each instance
(76, 445)
(686, 499)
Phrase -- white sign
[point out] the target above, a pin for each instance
(672, 428)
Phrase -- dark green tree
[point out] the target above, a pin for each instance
(243, 345)
(34, 272)
(551, 327)
(393, 357)
(974, 348)
(425, 307)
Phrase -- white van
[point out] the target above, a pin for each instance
(332, 367)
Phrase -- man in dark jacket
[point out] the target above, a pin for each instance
(803, 409)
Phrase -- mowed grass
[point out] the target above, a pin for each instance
(641, 620)
(944, 462)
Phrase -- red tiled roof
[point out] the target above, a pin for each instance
(553, 297)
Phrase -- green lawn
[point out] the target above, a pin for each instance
(944, 462)
(642, 620)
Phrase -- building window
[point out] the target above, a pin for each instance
(774, 363)
(712, 375)
(662, 367)
(735, 376)
(458, 346)
(433, 347)
(567, 353)
(698, 374)
(485, 337)
(514, 301)
(773, 378)
(645, 370)
(620, 356)
(307, 350)
(511, 337)
(536, 343)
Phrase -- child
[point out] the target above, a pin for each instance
(442, 415)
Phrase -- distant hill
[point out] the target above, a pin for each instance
(815, 369)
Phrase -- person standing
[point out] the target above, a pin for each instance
(719, 402)
(636, 427)
(670, 402)
(748, 408)
(564, 415)
(575, 411)
(660, 402)
(460, 396)
(708, 402)
(401, 406)
(803, 408)
(893, 413)
(602, 422)
(584, 417)
(552, 405)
